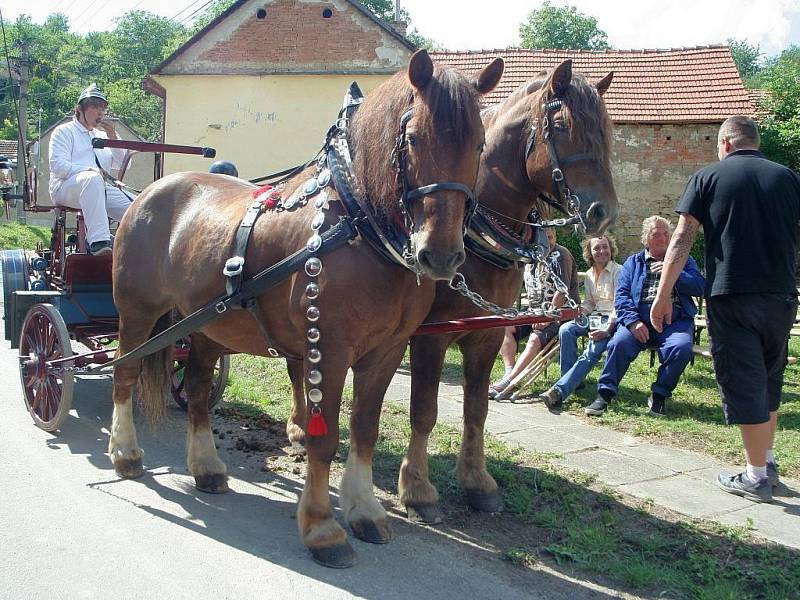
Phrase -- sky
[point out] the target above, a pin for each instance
(772, 25)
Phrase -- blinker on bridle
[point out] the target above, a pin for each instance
(568, 203)
(400, 161)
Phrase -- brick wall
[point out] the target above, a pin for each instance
(297, 32)
(651, 165)
(292, 36)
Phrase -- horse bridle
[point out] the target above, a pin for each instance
(400, 161)
(567, 202)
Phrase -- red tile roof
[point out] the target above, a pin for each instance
(682, 85)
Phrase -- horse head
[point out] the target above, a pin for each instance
(433, 133)
(569, 146)
(558, 126)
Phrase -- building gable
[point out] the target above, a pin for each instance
(258, 37)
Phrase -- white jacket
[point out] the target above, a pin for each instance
(71, 152)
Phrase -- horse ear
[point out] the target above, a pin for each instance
(420, 69)
(561, 78)
(488, 78)
(604, 83)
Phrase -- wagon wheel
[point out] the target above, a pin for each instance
(47, 388)
(218, 384)
(14, 265)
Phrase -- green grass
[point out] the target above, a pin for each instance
(560, 517)
(15, 235)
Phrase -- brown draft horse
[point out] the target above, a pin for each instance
(172, 245)
(508, 185)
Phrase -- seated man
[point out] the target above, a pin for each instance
(562, 263)
(78, 172)
(636, 291)
(598, 306)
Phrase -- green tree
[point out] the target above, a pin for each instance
(384, 10)
(561, 27)
(780, 130)
(139, 43)
(746, 58)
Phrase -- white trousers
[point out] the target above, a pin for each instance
(88, 191)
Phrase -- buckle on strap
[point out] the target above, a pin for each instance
(233, 266)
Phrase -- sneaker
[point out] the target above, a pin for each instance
(742, 485)
(101, 248)
(552, 398)
(657, 405)
(597, 408)
(498, 388)
(773, 475)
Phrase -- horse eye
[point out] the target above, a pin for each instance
(412, 139)
(481, 147)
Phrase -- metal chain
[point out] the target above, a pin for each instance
(551, 284)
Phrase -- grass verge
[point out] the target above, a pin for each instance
(16, 235)
(559, 517)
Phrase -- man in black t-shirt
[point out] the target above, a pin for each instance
(749, 208)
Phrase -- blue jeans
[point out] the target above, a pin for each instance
(581, 367)
(568, 336)
(674, 346)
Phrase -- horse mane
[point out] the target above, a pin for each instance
(446, 111)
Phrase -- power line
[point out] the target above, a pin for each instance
(189, 18)
(85, 10)
(184, 9)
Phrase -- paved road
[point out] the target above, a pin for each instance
(71, 529)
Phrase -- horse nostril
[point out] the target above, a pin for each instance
(457, 259)
(424, 258)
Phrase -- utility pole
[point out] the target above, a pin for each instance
(22, 122)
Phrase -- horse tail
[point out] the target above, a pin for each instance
(155, 378)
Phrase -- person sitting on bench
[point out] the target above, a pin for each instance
(638, 284)
(598, 306)
(563, 265)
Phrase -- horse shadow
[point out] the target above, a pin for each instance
(167, 493)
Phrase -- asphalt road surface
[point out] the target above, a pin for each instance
(70, 528)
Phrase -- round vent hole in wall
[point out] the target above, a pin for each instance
(327, 13)
(261, 13)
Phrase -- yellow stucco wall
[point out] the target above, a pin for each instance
(262, 124)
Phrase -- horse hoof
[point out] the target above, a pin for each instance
(129, 469)
(212, 484)
(372, 532)
(341, 556)
(425, 514)
(483, 502)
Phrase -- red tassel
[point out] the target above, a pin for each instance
(261, 190)
(316, 425)
(269, 203)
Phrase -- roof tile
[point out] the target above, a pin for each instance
(677, 85)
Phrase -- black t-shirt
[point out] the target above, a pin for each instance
(749, 208)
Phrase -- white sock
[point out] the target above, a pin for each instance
(771, 456)
(756, 473)
(508, 370)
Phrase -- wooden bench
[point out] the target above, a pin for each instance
(548, 354)
(705, 352)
